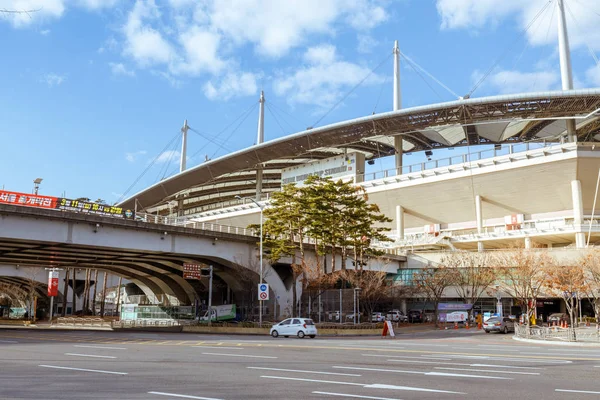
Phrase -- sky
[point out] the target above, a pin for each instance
(94, 92)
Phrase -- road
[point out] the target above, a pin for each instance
(463, 364)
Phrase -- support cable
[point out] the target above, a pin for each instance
(591, 51)
(171, 153)
(417, 66)
(425, 80)
(383, 85)
(275, 118)
(352, 90)
(503, 55)
(237, 127)
(148, 167)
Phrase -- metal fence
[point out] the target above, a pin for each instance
(558, 334)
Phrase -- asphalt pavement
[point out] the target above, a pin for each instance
(455, 364)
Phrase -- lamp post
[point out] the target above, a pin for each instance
(52, 286)
(260, 307)
(499, 303)
(36, 185)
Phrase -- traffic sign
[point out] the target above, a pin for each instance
(263, 291)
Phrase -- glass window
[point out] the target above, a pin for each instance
(296, 322)
(286, 322)
(308, 322)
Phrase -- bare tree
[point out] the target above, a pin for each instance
(590, 262)
(32, 277)
(523, 272)
(431, 282)
(568, 282)
(473, 274)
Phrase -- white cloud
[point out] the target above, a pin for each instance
(132, 157)
(174, 82)
(323, 80)
(120, 69)
(169, 156)
(366, 44)
(40, 10)
(53, 79)
(142, 42)
(97, 4)
(232, 85)
(582, 24)
(200, 47)
(510, 82)
(45, 32)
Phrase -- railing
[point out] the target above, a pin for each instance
(187, 222)
(151, 323)
(555, 333)
(78, 321)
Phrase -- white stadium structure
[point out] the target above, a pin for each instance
(526, 172)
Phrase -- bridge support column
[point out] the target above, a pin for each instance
(479, 216)
(578, 214)
(400, 222)
(527, 242)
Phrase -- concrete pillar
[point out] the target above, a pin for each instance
(398, 147)
(578, 214)
(403, 306)
(259, 139)
(397, 105)
(479, 216)
(527, 242)
(566, 73)
(400, 222)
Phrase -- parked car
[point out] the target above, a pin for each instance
(396, 316)
(558, 318)
(415, 316)
(350, 317)
(377, 317)
(499, 324)
(294, 327)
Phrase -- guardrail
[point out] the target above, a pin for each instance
(74, 321)
(150, 323)
(558, 334)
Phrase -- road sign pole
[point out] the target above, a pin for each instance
(210, 281)
(51, 308)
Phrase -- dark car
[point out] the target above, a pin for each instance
(415, 316)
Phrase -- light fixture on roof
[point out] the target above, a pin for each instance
(36, 185)
(371, 162)
(428, 154)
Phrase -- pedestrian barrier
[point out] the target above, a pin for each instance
(79, 321)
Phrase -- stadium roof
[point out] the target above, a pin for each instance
(487, 120)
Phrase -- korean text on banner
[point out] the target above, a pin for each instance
(53, 283)
(28, 200)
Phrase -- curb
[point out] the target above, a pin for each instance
(552, 342)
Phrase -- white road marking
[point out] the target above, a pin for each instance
(495, 358)
(84, 370)
(236, 355)
(502, 347)
(418, 358)
(218, 347)
(100, 347)
(576, 391)
(302, 371)
(502, 366)
(355, 396)
(87, 355)
(428, 362)
(465, 376)
(369, 386)
(8, 341)
(487, 370)
(423, 373)
(182, 396)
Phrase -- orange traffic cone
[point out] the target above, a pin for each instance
(455, 325)
(466, 325)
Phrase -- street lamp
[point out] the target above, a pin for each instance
(36, 185)
(260, 250)
(499, 298)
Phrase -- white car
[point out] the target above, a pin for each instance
(294, 327)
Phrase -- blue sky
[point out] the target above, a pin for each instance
(93, 90)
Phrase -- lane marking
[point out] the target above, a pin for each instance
(428, 362)
(424, 373)
(502, 347)
(218, 347)
(356, 396)
(466, 376)
(236, 355)
(8, 341)
(100, 347)
(417, 358)
(182, 396)
(576, 391)
(302, 371)
(368, 386)
(84, 370)
(486, 370)
(87, 355)
(502, 366)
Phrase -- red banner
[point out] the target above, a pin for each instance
(26, 199)
(53, 283)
